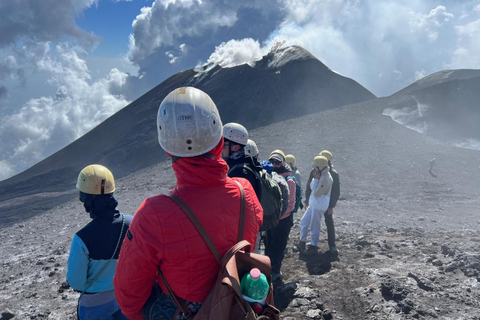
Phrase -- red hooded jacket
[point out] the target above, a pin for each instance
(162, 236)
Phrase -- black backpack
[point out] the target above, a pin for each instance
(270, 197)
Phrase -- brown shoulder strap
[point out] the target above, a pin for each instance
(241, 224)
(241, 230)
(197, 225)
(201, 229)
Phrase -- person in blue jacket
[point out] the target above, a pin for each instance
(95, 248)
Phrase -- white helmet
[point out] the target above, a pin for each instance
(251, 148)
(235, 132)
(188, 123)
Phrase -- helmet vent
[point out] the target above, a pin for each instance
(189, 148)
(160, 127)
(189, 141)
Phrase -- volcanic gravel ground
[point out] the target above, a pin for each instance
(408, 239)
(384, 270)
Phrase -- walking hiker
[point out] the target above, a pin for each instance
(235, 138)
(334, 196)
(252, 150)
(321, 186)
(277, 237)
(95, 248)
(162, 241)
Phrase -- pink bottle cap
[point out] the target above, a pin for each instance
(255, 273)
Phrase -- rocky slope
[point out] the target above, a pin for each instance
(407, 235)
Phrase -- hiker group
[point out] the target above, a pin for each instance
(169, 260)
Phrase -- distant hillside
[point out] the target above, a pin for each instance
(286, 83)
(444, 105)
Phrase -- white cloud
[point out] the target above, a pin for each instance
(383, 44)
(430, 24)
(467, 53)
(236, 52)
(420, 74)
(165, 23)
(45, 124)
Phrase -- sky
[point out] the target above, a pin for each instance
(66, 66)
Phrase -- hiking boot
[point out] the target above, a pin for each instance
(301, 245)
(333, 250)
(311, 250)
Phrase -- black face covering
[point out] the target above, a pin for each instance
(99, 205)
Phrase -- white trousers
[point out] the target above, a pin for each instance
(311, 221)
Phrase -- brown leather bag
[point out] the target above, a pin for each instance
(225, 301)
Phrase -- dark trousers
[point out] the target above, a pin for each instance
(277, 242)
(330, 229)
(160, 306)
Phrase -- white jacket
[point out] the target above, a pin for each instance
(321, 189)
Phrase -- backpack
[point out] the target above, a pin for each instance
(225, 300)
(270, 197)
(298, 194)
(284, 187)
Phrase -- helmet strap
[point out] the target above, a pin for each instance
(102, 187)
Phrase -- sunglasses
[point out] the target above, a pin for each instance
(275, 161)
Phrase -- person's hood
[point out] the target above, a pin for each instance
(283, 169)
(205, 170)
(100, 206)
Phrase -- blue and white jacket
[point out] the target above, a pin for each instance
(91, 248)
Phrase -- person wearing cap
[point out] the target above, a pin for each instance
(277, 237)
(290, 160)
(334, 196)
(95, 248)
(162, 241)
(321, 186)
(235, 137)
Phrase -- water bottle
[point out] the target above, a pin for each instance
(254, 286)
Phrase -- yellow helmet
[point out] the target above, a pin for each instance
(290, 159)
(277, 154)
(327, 154)
(320, 161)
(95, 179)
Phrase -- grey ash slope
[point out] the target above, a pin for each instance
(286, 83)
(444, 105)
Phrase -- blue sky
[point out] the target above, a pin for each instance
(65, 66)
(109, 20)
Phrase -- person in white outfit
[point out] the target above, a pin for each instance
(321, 186)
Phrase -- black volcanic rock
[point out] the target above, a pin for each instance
(286, 83)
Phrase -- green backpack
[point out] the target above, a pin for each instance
(270, 197)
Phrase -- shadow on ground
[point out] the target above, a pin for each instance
(319, 263)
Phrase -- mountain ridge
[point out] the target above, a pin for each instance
(254, 96)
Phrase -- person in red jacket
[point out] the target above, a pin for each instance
(161, 237)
